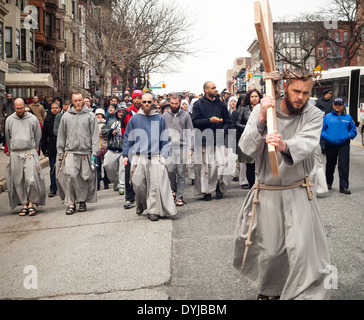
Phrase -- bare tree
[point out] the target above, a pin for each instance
(296, 41)
(349, 16)
(139, 35)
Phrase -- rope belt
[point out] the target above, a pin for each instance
(303, 184)
(22, 150)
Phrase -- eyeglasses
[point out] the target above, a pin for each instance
(149, 102)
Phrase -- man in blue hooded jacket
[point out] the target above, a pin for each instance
(338, 129)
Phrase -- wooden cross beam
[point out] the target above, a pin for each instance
(264, 27)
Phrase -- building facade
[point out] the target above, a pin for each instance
(3, 65)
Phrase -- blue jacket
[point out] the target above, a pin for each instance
(338, 129)
(147, 135)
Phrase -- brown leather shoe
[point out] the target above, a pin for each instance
(153, 217)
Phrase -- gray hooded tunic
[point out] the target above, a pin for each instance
(78, 139)
(150, 180)
(24, 175)
(289, 254)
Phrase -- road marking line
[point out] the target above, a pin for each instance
(357, 144)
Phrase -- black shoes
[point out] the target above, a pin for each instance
(219, 194)
(245, 186)
(139, 209)
(329, 186)
(345, 191)
(153, 217)
(207, 197)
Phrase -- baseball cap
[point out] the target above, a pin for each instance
(339, 101)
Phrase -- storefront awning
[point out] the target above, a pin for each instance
(28, 80)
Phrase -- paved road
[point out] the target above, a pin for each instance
(110, 253)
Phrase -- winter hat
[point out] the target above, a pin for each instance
(137, 93)
(100, 111)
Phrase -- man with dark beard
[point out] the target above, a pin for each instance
(288, 250)
(49, 145)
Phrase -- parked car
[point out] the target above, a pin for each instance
(361, 129)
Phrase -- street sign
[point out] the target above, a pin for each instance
(155, 88)
(257, 76)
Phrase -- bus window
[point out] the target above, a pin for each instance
(361, 96)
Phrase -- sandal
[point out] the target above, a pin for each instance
(179, 202)
(82, 207)
(32, 212)
(24, 212)
(71, 210)
(263, 297)
(174, 194)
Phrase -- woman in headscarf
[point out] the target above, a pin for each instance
(185, 105)
(232, 104)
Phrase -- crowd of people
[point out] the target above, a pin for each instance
(147, 146)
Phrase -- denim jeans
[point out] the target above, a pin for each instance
(53, 187)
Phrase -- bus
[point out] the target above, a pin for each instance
(346, 83)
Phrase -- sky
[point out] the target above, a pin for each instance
(226, 30)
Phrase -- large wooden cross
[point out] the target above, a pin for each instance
(264, 27)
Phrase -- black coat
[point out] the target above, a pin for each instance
(49, 140)
(325, 105)
(204, 109)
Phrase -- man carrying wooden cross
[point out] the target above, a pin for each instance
(280, 240)
(284, 250)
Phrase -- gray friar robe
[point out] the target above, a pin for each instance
(24, 174)
(78, 140)
(289, 255)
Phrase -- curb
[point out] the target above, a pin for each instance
(43, 163)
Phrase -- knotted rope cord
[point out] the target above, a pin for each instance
(275, 76)
(303, 183)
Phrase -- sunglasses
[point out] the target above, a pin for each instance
(149, 102)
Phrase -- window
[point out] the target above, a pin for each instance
(346, 36)
(337, 36)
(58, 29)
(64, 4)
(329, 52)
(48, 26)
(74, 41)
(1, 41)
(320, 52)
(23, 45)
(293, 37)
(17, 44)
(73, 9)
(9, 42)
(31, 45)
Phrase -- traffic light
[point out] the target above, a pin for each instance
(164, 86)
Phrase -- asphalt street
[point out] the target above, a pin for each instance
(111, 253)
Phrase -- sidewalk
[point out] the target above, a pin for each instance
(106, 253)
(4, 159)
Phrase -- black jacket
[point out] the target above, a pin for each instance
(49, 140)
(204, 109)
(325, 105)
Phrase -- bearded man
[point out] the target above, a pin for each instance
(77, 147)
(24, 174)
(146, 145)
(288, 252)
(210, 117)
